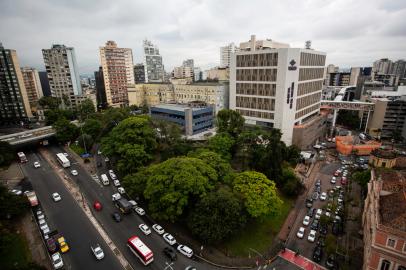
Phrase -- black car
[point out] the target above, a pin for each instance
(317, 253)
(170, 253)
(321, 241)
(51, 245)
(314, 225)
(331, 262)
(311, 211)
(116, 216)
(309, 202)
(323, 230)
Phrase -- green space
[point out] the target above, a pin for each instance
(77, 149)
(258, 234)
(17, 254)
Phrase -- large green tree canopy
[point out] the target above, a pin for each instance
(258, 192)
(131, 143)
(213, 159)
(65, 130)
(175, 183)
(222, 143)
(230, 121)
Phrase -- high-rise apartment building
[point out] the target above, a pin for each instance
(189, 63)
(276, 86)
(399, 68)
(32, 86)
(139, 73)
(118, 72)
(63, 74)
(154, 69)
(14, 103)
(225, 54)
(101, 99)
(382, 66)
(43, 77)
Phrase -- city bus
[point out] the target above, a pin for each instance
(140, 250)
(63, 160)
(22, 157)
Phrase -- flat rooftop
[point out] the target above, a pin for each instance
(177, 107)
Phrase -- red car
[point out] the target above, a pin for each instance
(344, 180)
(97, 206)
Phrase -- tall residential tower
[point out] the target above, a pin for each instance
(33, 86)
(154, 69)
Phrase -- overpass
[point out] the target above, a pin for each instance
(29, 135)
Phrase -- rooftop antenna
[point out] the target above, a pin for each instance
(308, 44)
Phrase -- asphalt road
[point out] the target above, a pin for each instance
(120, 232)
(67, 217)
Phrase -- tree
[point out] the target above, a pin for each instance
(169, 137)
(217, 216)
(92, 127)
(85, 141)
(213, 159)
(174, 184)
(65, 101)
(50, 103)
(65, 130)
(258, 193)
(292, 155)
(53, 115)
(7, 154)
(290, 184)
(131, 143)
(331, 244)
(113, 116)
(222, 143)
(230, 121)
(86, 108)
(362, 178)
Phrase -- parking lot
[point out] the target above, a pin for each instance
(329, 222)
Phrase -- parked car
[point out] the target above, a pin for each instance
(170, 253)
(133, 203)
(300, 233)
(37, 164)
(344, 180)
(57, 261)
(309, 202)
(97, 251)
(319, 212)
(310, 212)
(116, 183)
(17, 192)
(169, 238)
(333, 180)
(51, 245)
(315, 196)
(116, 197)
(116, 216)
(185, 250)
(112, 175)
(56, 197)
(317, 253)
(312, 236)
(139, 211)
(306, 220)
(121, 190)
(331, 262)
(144, 228)
(63, 246)
(314, 225)
(318, 182)
(158, 228)
(323, 196)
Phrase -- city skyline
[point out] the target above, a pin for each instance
(351, 32)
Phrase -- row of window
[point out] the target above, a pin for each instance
(307, 100)
(255, 103)
(311, 59)
(257, 60)
(264, 75)
(309, 87)
(256, 89)
(264, 115)
(306, 74)
(306, 111)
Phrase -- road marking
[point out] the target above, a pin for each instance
(168, 266)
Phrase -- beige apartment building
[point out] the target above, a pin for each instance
(384, 221)
(218, 74)
(32, 86)
(118, 72)
(150, 94)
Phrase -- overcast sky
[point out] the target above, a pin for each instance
(352, 32)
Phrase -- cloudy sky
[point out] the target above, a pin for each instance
(352, 32)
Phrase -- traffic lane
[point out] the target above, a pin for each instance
(68, 219)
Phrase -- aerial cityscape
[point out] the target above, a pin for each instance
(202, 134)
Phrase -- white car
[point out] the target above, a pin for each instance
(37, 164)
(97, 251)
(41, 221)
(99, 152)
(333, 180)
(44, 226)
(116, 183)
(56, 197)
(57, 260)
(65, 154)
(300, 232)
(323, 196)
(139, 211)
(158, 229)
(133, 203)
(74, 172)
(42, 216)
(306, 220)
(16, 192)
(144, 228)
(328, 214)
(121, 190)
(106, 159)
(185, 250)
(312, 236)
(116, 197)
(112, 175)
(318, 213)
(169, 238)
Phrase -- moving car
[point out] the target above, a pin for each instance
(306, 220)
(312, 236)
(323, 196)
(63, 246)
(74, 172)
(97, 251)
(158, 229)
(169, 238)
(170, 253)
(37, 164)
(116, 216)
(144, 228)
(300, 232)
(56, 197)
(57, 260)
(185, 250)
(139, 211)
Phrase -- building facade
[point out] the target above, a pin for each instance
(193, 119)
(43, 77)
(384, 221)
(139, 73)
(33, 87)
(101, 99)
(118, 71)
(276, 86)
(150, 94)
(63, 75)
(225, 54)
(14, 101)
(218, 74)
(153, 65)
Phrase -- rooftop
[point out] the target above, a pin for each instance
(177, 107)
(381, 153)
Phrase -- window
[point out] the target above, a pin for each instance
(385, 265)
(391, 243)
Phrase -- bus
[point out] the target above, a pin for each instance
(22, 157)
(63, 160)
(140, 250)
